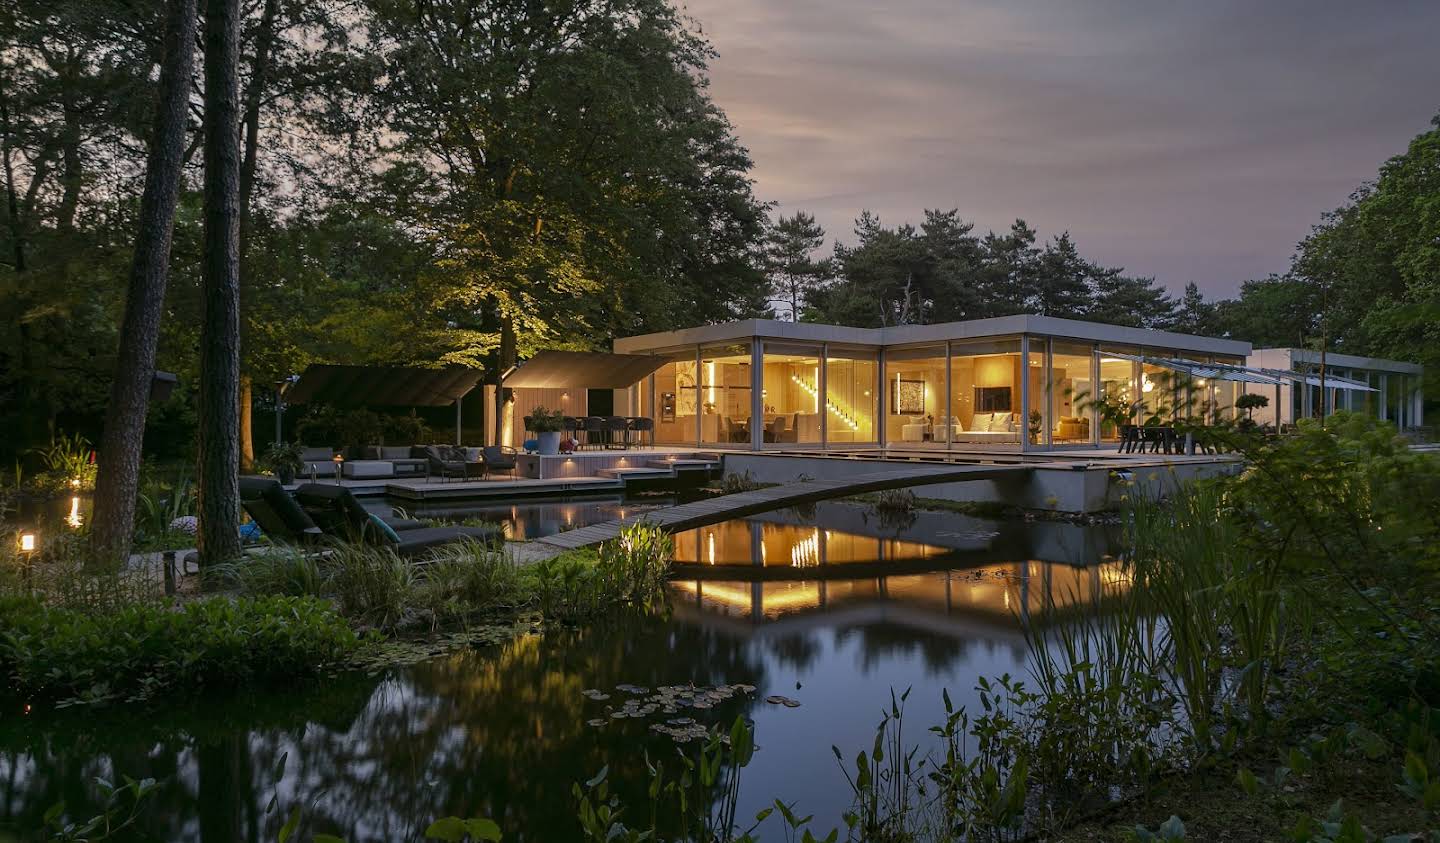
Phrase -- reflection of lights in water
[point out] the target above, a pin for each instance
(74, 519)
(762, 551)
(805, 553)
(1006, 592)
(710, 545)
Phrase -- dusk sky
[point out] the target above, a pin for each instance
(1188, 141)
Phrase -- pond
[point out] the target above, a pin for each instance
(831, 608)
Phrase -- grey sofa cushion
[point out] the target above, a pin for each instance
(317, 454)
(394, 452)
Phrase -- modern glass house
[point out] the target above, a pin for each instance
(1012, 383)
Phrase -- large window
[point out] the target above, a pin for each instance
(677, 400)
(914, 389)
(791, 395)
(1117, 400)
(725, 394)
(1071, 393)
(985, 379)
(850, 396)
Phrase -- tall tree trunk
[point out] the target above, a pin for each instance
(250, 122)
(119, 470)
(507, 359)
(219, 459)
(247, 433)
(12, 201)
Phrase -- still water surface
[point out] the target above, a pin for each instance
(831, 607)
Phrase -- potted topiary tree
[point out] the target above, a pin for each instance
(548, 426)
(1250, 402)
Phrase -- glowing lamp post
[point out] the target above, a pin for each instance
(29, 543)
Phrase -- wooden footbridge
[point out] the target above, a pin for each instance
(725, 507)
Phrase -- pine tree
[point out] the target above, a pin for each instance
(794, 273)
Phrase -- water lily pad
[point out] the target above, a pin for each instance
(776, 699)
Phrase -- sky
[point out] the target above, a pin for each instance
(1196, 140)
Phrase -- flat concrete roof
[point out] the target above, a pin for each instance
(902, 335)
(1349, 361)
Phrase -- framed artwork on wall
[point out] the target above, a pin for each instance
(907, 398)
(992, 399)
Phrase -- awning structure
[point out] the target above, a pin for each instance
(1245, 374)
(382, 386)
(583, 370)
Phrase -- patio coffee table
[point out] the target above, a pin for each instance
(411, 467)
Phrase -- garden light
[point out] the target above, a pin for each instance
(27, 542)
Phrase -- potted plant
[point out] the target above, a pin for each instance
(1036, 426)
(284, 459)
(548, 426)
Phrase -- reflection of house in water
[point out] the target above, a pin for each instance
(842, 567)
(957, 603)
(844, 533)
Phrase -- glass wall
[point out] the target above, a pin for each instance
(791, 394)
(677, 400)
(1397, 399)
(850, 381)
(914, 390)
(1071, 393)
(1160, 390)
(725, 394)
(985, 380)
(1117, 394)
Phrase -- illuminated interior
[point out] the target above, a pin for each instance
(790, 396)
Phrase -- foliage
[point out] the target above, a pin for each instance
(122, 806)
(629, 570)
(794, 273)
(137, 651)
(162, 500)
(734, 483)
(282, 458)
(547, 421)
(68, 464)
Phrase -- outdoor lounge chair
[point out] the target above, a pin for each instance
(499, 458)
(280, 518)
(338, 513)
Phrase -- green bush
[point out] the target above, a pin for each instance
(139, 650)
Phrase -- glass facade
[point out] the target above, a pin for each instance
(725, 394)
(677, 401)
(1071, 393)
(985, 392)
(791, 394)
(1117, 402)
(966, 395)
(850, 397)
(914, 393)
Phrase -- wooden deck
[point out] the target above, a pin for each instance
(724, 508)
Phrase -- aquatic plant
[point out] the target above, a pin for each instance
(69, 462)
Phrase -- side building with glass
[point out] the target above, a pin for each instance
(1386, 389)
(1012, 383)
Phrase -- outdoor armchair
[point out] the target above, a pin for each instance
(499, 458)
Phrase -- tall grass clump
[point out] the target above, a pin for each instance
(373, 585)
(629, 570)
(466, 578)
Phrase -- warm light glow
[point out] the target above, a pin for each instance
(27, 542)
(74, 482)
(74, 519)
(338, 458)
(710, 545)
(710, 379)
(1147, 385)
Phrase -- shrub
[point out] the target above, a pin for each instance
(139, 650)
(468, 577)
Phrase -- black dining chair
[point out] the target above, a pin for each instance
(618, 428)
(645, 431)
(595, 430)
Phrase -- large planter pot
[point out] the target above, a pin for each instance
(549, 442)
